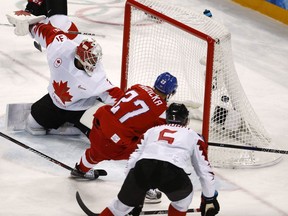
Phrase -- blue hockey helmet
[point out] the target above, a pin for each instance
(166, 83)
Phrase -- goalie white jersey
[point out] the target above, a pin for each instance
(180, 146)
(69, 87)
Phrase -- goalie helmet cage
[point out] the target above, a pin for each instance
(159, 37)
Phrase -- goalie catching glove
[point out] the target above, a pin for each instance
(209, 206)
(21, 20)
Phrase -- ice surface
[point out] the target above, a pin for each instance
(31, 185)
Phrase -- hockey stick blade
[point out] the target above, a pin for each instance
(6, 24)
(37, 46)
(101, 172)
(151, 212)
(83, 206)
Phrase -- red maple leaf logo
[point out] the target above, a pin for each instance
(61, 90)
(22, 12)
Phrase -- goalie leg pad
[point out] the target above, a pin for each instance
(16, 116)
(33, 127)
(87, 117)
(65, 129)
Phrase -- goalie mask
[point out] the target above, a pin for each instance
(89, 52)
(177, 114)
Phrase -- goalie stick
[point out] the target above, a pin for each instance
(100, 171)
(151, 212)
(38, 46)
(6, 24)
(86, 33)
(251, 148)
(68, 32)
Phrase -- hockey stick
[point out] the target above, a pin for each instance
(86, 33)
(100, 172)
(5, 24)
(251, 148)
(152, 212)
(155, 212)
(36, 152)
(38, 46)
(68, 32)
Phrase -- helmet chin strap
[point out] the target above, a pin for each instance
(170, 95)
(89, 72)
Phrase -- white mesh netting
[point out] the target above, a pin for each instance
(155, 46)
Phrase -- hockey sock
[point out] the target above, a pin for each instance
(174, 212)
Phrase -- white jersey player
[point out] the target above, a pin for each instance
(78, 79)
(164, 159)
(70, 88)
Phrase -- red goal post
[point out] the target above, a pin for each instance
(159, 37)
(210, 50)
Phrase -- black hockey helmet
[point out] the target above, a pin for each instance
(177, 114)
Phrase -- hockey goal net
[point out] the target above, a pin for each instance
(197, 50)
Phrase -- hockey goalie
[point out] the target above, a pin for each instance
(78, 79)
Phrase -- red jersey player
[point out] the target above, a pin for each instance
(117, 128)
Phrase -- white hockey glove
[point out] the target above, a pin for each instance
(21, 20)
